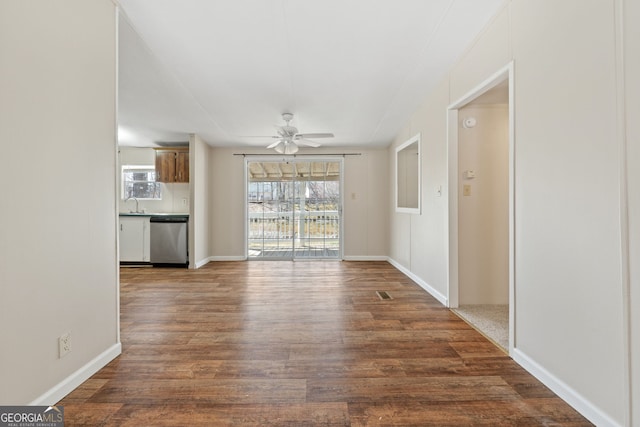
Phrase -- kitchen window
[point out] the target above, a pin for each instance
(140, 182)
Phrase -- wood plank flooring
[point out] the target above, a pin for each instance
(305, 343)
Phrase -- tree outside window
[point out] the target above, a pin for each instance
(140, 182)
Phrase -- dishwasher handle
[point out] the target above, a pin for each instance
(169, 219)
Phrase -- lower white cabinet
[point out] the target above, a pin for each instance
(134, 239)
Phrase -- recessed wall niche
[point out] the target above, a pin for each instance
(408, 172)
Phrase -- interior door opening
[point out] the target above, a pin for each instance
(481, 208)
(294, 208)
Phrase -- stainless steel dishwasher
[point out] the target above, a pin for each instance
(169, 240)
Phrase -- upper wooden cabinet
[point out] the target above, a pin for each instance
(182, 166)
(172, 164)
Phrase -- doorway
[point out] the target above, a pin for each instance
(294, 208)
(481, 214)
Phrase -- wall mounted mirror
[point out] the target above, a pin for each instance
(408, 172)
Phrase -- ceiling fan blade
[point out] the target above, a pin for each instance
(288, 137)
(313, 135)
(260, 136)
(307, 143)
(274, 144)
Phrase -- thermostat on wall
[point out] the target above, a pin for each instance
(469, 174)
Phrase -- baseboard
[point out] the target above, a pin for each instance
(227, 258)
(206, 261)
(242, 258)
(566, 393)
(66, 386)
(424, 285)
(202, 262)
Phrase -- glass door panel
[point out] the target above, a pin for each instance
(270, 228)
(294, 209)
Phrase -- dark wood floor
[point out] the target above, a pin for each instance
(285, 343)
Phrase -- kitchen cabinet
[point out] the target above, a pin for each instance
(135, 240)
(182, 166)
(172, 164)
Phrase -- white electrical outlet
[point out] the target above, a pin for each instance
(64, 344)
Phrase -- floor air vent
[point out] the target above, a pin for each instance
(383, 295)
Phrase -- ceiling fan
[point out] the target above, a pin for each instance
(289, 138)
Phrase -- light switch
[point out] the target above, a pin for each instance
(466, 190)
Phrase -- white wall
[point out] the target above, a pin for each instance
(226, 205)
(483, 216)
(366, 191)
(175, 195)
(365, 214)
(569, 289)
(568, 221)
(58, 251)
(200, 211)
(631, 35)
(418, 242)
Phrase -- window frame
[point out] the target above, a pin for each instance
(123, 181)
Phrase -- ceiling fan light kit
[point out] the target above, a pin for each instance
(285, 147)
(289, 138)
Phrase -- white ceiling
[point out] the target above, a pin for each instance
(227, 70)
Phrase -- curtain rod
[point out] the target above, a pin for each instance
(296, 155)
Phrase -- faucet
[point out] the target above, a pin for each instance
(131, 197)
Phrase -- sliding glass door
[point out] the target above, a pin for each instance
(294, 208)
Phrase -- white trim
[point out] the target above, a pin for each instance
(117, 175)
(191, 223)
(66, 386)
(424, 285)
(505, 73)
(245, 203)
(366, 258)
(512, 208)
(341, 209)
(415, 138)
(200, 263)
(625, 246)
(488, 84)
(566, 393)
(452, 209)
(227, 258)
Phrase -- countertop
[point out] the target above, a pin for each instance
(173, 214)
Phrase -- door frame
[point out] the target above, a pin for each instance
(294, 158)
(505, 73)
